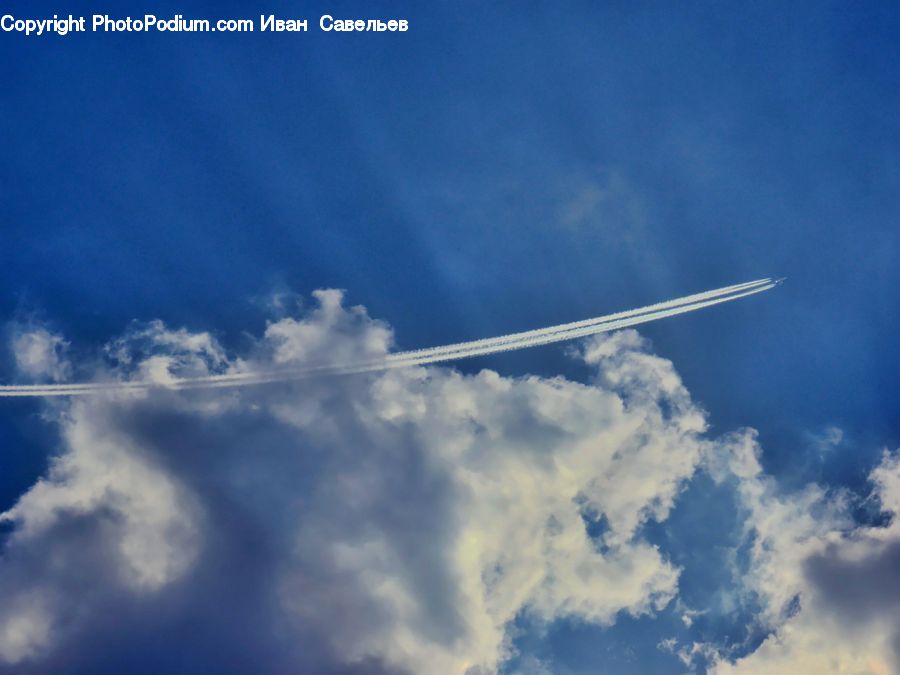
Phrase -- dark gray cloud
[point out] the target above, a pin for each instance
(858, 590)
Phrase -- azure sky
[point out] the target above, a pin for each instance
(178, 205)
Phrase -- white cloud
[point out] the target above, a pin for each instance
(27, 630)
(398, 521)
(39, 353)
(409, 516)
(167, 354)
(831, 588)
(105, 517)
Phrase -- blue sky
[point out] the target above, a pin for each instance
(500, 166)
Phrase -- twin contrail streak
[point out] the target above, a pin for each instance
(420, 357)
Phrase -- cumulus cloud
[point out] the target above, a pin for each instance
(394, 522)
(830, 586)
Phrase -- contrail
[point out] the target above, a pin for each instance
(459, 350)
(551, 330)
(418, 357)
